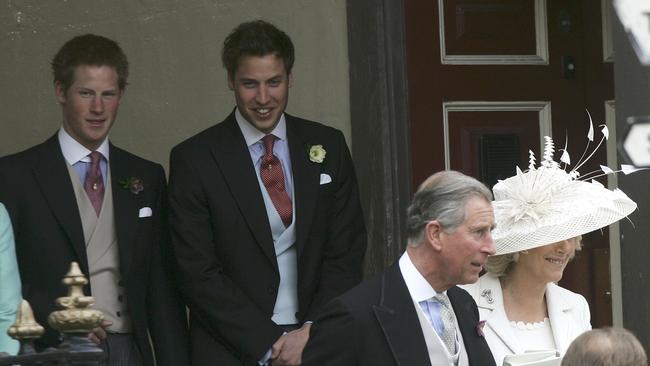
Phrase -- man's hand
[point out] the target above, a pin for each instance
(99, 334)
(287, 350)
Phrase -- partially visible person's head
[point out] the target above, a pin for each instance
(90, 75)
(451, 216)
(546, 262)
(605, 347)
(259, 58)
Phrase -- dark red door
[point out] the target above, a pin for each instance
(488, 78)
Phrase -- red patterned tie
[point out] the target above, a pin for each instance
(273, 179)
(94, 183)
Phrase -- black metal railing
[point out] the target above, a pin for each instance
(75, 350)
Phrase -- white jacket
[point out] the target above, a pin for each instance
(568, 313)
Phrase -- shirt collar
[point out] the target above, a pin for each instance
(73, 151)
(252, 135)
(417, 285)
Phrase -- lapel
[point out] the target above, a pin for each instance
(559, 316)
(477, 350)
(125, 208)
(490, 302)
(466, 319)
(53, 178)
(306, 181)
(398, 320)
(233, 159)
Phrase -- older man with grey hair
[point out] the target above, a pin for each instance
(413, 313)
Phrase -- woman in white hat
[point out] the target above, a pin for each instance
(9, 283)
(540, 216)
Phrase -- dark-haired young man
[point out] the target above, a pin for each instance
(265, 214)
(77, 197)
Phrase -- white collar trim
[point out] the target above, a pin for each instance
(252, 135)
(73, 151)
(417, 285)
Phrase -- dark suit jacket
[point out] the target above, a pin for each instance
(376, 324)
(36, 189)
(224, 245)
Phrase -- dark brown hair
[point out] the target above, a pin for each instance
(91, 50)
(256, 38)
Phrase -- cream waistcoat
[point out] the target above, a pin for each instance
(103, 255)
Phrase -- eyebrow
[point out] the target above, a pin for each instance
(245, 78)
(483, 226)
(93, 90)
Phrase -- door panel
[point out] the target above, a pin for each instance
(467, 128)
(489, 27)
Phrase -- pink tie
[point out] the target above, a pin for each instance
(273, 179)
(94, 183)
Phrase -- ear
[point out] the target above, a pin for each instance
(432, 234)
(59, 92)
(290, 80)
(231, 81)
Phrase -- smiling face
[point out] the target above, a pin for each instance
(547, 263)
(261, 86)
(465, 251)
(90, 104)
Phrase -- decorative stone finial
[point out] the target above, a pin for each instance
(25, 327)
(76, 316)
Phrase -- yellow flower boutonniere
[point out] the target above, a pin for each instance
(317, 153)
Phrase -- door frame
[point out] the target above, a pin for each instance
(380, 124)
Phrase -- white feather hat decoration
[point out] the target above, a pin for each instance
(547, 204)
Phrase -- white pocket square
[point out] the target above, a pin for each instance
(325, 178)
(145, 212)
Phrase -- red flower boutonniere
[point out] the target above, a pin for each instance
(479, 328)
(133, 184)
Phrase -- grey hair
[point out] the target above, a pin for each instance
(500, 265)
(605, 347)
(442, 197)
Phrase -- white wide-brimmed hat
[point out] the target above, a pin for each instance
(547, 204)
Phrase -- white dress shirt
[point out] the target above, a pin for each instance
(77, 155)
(422, 293)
